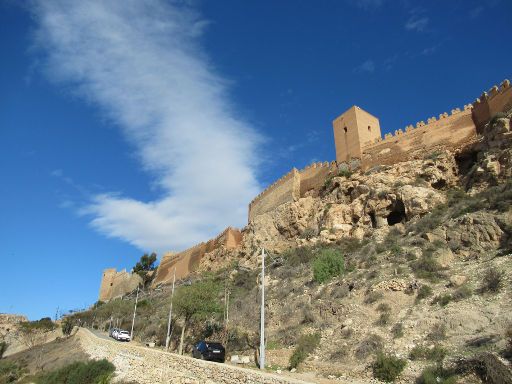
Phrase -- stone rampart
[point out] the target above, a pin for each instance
(449, 131)
(148, 366)
(188, 260)
(313, 177)
(498, 99)
(117, 284)
(286, 189)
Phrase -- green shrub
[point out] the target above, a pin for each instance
(345, 172)
(91, 372)
(436, 353)
(436, 375)
(328, 264)
(493, 280)
(373, 297)
(3, 348)
(308, 233)
(427, 268)
(306, 345)
(45, 324)
(67, 326)
(461, 293)
(437, 333)
(424, 292)
(387, 367)
(384, 307)
(383, 319)
(372, 344)
(10, 372)
(442, 300)
(298, 256)
(397, 331)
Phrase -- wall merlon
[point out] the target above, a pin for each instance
(468, 106)
(493, 91)
(505, 84)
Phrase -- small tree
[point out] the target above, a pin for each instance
(329, 264)
(199, 300)
(144, 266)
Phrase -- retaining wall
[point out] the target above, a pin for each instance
(149, 366)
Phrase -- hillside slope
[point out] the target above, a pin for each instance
(425, 247)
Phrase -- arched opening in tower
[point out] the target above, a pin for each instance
(397, 214)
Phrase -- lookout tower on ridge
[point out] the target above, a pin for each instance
(352, 131)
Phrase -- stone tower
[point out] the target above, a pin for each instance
(107, 281)
(352, 131)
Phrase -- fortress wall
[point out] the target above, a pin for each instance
(498, 99)
(283, 190)
(117, 284)
(187, 261)
(448, 131)
(312, 178)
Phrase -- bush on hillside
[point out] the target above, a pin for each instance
(91, 372)
(298, 256)
(493, 280)
(424, 292)
(372, 344)
(330, 263)
(427, 268)
(10, 372)
(306, 345)
(387, 367)
(436, 375)
(436, 353)
(3, 348)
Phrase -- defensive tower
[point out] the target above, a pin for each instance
(352, 131)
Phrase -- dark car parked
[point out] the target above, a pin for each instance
(206, 350)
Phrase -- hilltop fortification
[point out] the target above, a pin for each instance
(359, 146)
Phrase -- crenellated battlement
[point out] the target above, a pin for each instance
(188, 260)
(432, 121)
(293, 173)
(497, 99)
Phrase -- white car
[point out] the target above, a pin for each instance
(122, 336)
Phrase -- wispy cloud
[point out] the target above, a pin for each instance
(142, 64)
(367, 66)
(417, 21)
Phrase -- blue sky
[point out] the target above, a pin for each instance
(131, 127)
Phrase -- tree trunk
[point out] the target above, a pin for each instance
(180, 350)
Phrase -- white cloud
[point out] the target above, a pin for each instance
(367, 66)
(142, 64)
(417, 23)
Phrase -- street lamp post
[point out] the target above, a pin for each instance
(168, 338)
(134, 312)
(262, 319)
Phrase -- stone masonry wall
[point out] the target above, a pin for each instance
(149, 366)
(498, 99)
(283, 190)
(449, 131)
(313, 177)
(117, 284)
(187, 261)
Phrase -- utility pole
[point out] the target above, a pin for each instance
(262, 319)
(134, 311)
(168, 338)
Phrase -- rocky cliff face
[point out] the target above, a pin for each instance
(421, 240)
